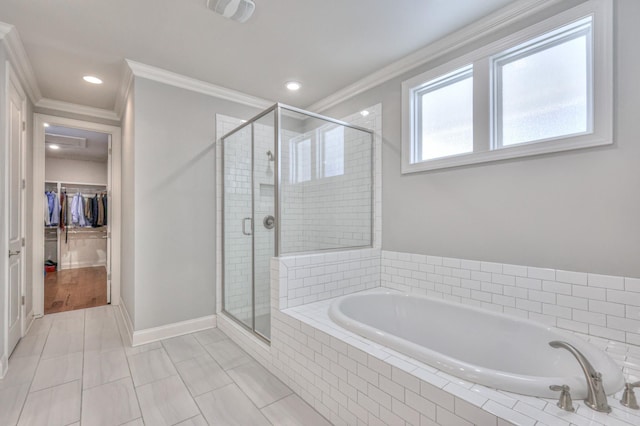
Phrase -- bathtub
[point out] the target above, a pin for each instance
(492, 349)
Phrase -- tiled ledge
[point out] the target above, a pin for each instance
(396, 388)
(598, 305)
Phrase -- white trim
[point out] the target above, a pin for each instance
(29, 322)
(123, 92)
(20, 61)
(506, 16)
(602, 12)
(46, 103)
(4, 366)
(87, 264)
(148, 335)
(37, 248)
(126, 319)
(173, 79)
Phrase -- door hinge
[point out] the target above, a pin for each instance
(109, 277)
(108, 234)
(109, 151)
(23, 241)
(23, 300)
(24, 126)
(24, 183)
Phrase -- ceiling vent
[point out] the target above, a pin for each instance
(65, 141)
(237, 10)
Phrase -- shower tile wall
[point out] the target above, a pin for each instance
(335, 211)
(598, 305)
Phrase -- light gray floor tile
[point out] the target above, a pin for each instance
(59, 344)
(103, 337)
(30, 345)
(55, 371)
(202, 374)
(166, 402)
(11, 400)
(228, 354)
(183, 347)
(110, 404)
(77, 315)
(207, 337)
(147, 367)
(136, 422)
(293, 411)
(21, 370)
(104, 367)
(230, 406)
(194, 421)
(40, 325)
(67, 325)
(59, 405)
(260, 385)
(133, 350)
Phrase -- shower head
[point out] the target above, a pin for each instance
(270, 156)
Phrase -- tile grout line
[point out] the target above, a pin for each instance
(133, 385)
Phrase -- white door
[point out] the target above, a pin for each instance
(15, 198)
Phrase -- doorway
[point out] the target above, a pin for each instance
(76, 243)
(76, 219)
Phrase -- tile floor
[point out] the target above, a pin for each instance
(72, 368)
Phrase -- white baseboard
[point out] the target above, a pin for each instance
(4, 366)
(126, 321)
(76, 265)
(30, 317)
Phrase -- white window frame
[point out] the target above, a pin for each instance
(485, 148)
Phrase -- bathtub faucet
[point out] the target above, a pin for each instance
(596, 398)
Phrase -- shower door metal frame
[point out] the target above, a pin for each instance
(251, 122)
(277, 109)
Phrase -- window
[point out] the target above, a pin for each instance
(332, 154)
(444, 109)
(547, 88)
(543, 88)
(300, 160)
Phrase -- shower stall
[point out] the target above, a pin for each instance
(294, 182)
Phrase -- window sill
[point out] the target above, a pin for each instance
(523, 150)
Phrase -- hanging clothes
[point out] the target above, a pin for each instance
(47, 211)
(104, 203)
(63, 210)
(54, 208)
(77, 210)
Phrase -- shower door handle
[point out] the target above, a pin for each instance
(244, 227)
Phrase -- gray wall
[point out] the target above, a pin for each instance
(576, 210)
(174, 202)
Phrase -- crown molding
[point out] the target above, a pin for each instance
(173, 79)
(20, 61)
(125, 87)
(506, 16)
(46, 103)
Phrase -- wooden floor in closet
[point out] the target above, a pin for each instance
(71, 289)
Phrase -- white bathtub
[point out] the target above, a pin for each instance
(491, 349)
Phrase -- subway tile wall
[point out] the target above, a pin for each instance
(309, 278)
(598, 305)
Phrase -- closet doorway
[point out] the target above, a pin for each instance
(74, 230)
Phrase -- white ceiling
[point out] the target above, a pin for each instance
(325, 44)
(96, 149)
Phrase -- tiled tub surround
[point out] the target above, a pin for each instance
(598, 305)
(354, 381)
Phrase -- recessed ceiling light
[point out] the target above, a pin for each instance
(54, 146)
(293, 85)
(91, 79)
(364, 113)
(46, 124)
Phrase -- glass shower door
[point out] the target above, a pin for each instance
(249, 223)
(238, 226)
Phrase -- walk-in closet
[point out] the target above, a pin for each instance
(76, 219)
